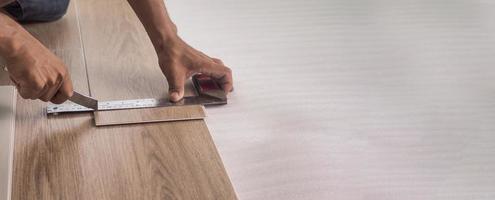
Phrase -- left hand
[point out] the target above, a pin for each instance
(179, 61)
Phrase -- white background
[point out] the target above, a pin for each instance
(352, 99)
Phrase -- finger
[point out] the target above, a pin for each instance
(17, 86)
(176, 87)
(36, 88)
(16, 83)
(48, 95)
(46, 89)
(221, 73)
(64, 93)
(218, 61)
(27, 93)
(59, 98)
(202, 54)
(54, 86)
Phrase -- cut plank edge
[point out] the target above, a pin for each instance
(101, 117)
(150, 121)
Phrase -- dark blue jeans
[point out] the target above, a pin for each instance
(37, 10)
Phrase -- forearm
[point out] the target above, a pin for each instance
(15, 41)
(154, 16)
(178, 60)
(12, 37)
(36, 72)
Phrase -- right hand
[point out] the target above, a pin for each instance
(39, 74)
(179, 61)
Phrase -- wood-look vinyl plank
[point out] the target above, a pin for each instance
(48, 151)
(149, 115)
(7, 123)
(67, 157)
(119, 54)
(172, 160)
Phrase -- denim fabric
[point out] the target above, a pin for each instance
(37, 10)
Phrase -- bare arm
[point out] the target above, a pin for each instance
(37, 73)
(5, 2)
(158, 25)
(178, 61)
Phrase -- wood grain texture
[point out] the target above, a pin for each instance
(352, 100)
(149, 115)
(7, 125)
(119, 54)
(181, 162)
(67, 157)
(46, 153)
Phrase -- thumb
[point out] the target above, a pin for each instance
(176, 87)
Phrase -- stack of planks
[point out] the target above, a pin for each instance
(66, 157)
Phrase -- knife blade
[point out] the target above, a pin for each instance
(85, 101)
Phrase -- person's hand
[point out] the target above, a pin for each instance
(39, 74)
(179, 61)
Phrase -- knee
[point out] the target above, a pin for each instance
(41, 10)
(59, 10)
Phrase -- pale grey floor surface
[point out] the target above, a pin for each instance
(352, 99)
